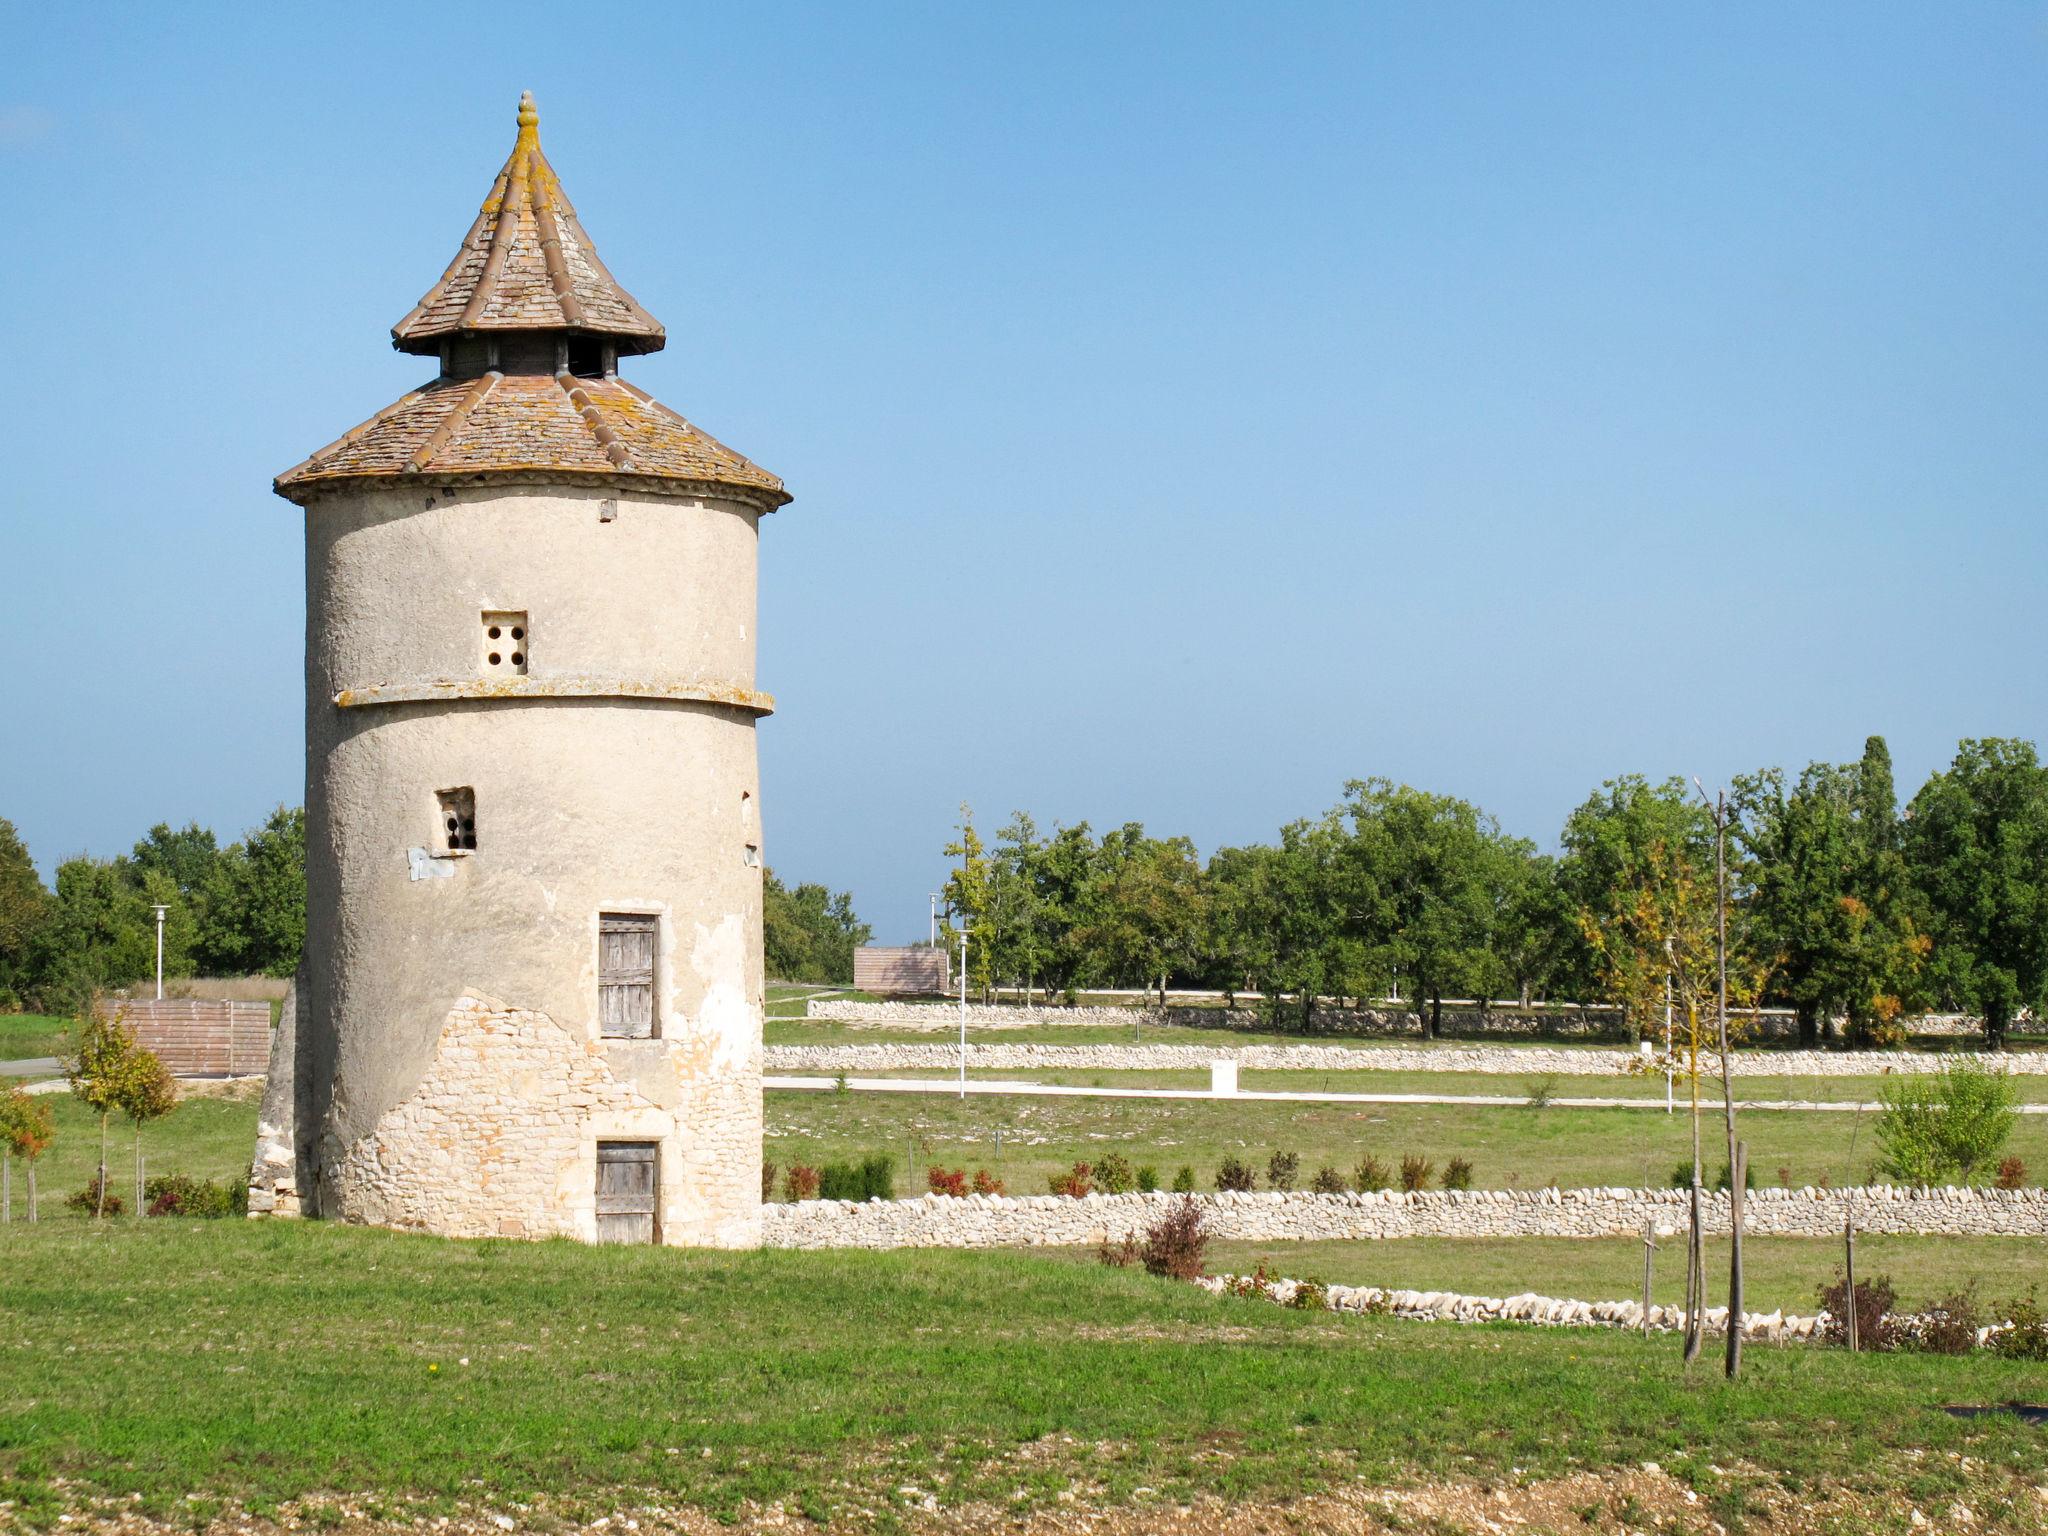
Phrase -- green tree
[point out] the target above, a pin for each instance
(26, 912)
(970, 900)
(103, 1073)
(1279, 918)
(809, 933)
(1952, 1123)
(26, 1130)
(102, 934)
(1148, 912)
(253, 917)
(1976, 840)
(1430, 879)
(147, 1092)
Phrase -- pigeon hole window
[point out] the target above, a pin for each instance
(505, 644)
(458, 820)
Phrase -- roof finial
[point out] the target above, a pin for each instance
(529, 114)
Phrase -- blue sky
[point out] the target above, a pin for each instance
(1188, 407)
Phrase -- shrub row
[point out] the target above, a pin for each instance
(169, 1194)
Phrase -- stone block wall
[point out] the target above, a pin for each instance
(1558, 1021)
(1529, 1060)
(977, 1221)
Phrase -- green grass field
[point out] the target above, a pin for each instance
(24, 1036)
(1518, 1147)
(1779, 1272)
(257, 1362)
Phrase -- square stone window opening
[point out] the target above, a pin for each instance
(628, 1191)
(505, 647)
(753, 855)
(626, 943)
(458, 820)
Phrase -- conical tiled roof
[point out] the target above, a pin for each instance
(527, 265)
(552, 425)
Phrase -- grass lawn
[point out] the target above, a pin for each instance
(263, 1361)
(1516, 1147)
(792, 1028)
(205, 1137)
(1778, 1272)
(24, 1036)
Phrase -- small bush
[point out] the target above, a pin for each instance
(1949, 1126)
(1415, 1173)
(1176, 1244)
(1949, 1327)
(873, 1178)
(1113, 1175)
(87, 1200)
(1328, 1181)
(1234, 1176)
(1726, 1180)
(767, 1182)
(1681, 1177)
(2026, 1335)
(800, 1182)
(1370, 1175)
(1784, 1177)
(1875, 1299)
(986, 1183)
(1118, 1255)
(1184, 1181)
(1148, 1180)
(1457, 1174)
(177, 1194)
(1075, 1183)
(1540, 1091)
(1281, 1170)
(940, 1182)
(1309, 1296)
(2012, 1173)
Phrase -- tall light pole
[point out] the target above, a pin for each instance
(160, 954)
(935, 920)
(963, 1013)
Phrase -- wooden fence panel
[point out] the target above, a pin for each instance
(197, 1037)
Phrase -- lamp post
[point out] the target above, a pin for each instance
(160, 953)
(963, 1013)
(935, 920)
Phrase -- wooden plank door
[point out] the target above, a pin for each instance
(628, 1191)
(625, 975)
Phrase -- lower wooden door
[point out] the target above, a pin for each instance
(628, 1192)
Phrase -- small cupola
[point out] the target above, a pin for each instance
(527, 293)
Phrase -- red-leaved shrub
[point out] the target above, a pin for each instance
(800, 1182)
(1177, 1242)
(986, 1183)
(1079, 1182)
(943, 1183)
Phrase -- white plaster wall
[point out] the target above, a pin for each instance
(583, 805)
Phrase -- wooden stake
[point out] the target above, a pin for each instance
(1849, 1280)
(1735, 1189)
(1649, 1250)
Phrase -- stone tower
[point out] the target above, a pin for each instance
(531, 998)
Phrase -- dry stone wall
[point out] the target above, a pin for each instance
(1559, 1021)
(1536, 1060)
(978, 1221)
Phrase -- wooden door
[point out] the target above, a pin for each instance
(628, 1190)
(625, 975)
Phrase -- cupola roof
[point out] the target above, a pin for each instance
(527, 265)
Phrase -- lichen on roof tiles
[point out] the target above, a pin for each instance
(526, 265)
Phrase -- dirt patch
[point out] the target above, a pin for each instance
(1643, 1499)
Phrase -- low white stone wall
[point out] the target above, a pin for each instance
(978, 1221)
(1529, 1060)
(1776, 1327)
(1561, 1021)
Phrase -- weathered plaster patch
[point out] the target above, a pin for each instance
(724, 1018)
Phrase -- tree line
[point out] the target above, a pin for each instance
(240, 910)
(1853, 911)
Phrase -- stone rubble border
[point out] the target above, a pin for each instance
(1777, 1327)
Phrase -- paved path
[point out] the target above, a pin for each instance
(35, 1066)
(1053, 1091)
